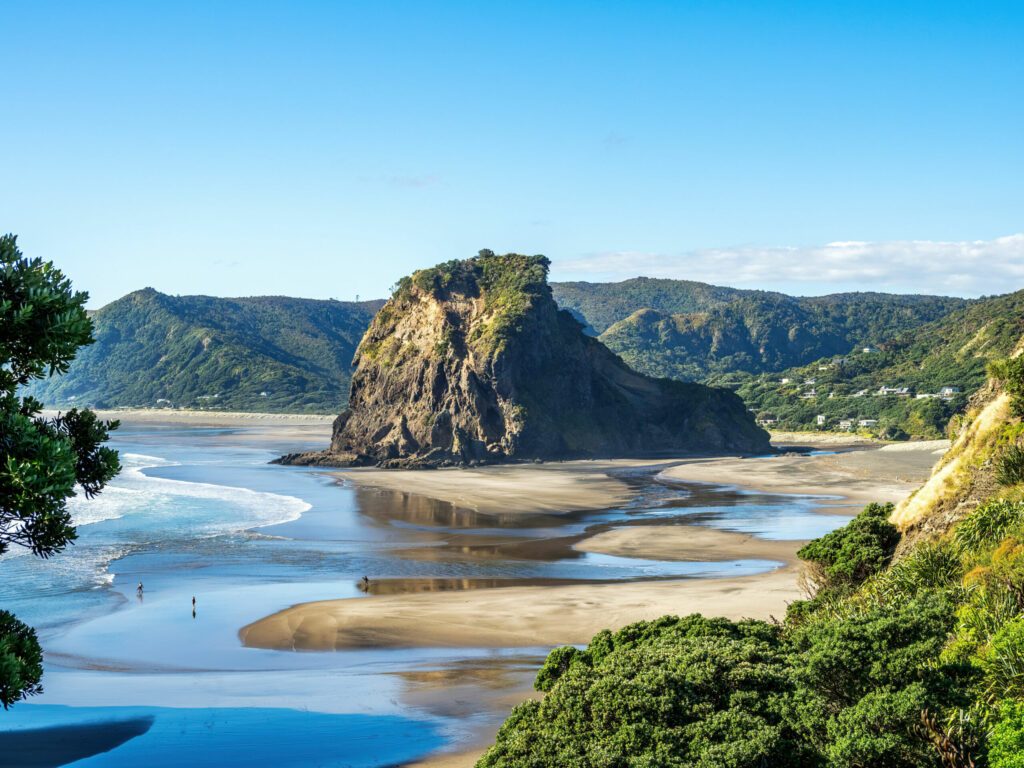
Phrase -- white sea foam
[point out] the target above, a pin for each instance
(133, 491)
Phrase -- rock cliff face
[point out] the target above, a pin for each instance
(473, 362)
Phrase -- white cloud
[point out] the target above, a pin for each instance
(964, 268)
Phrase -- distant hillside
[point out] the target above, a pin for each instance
(600, 305)
(266, 353)
(950, 352)
(758, 331)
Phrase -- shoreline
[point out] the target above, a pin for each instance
(572, 614)
(547, 616)
(206, 418)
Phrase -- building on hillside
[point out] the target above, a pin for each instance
(948, 392)
(867, 423)
(767, 422)
(925, 396)
(809, 394)
(846, 424)
(868, 350)
(820, 419)
(894, 391)
(861, 393)
(810, 382)
(785, 380)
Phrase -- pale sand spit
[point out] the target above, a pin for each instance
(688, 543)
(858, 476)
(524, 617)
(552, 487)
(212, 418)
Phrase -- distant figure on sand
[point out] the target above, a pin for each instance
(193, 602)
(365, 584)
(138, 589)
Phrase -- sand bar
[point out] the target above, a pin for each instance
(688, 543)
(525, 617)
(212, 418)
(549, 488)
(859, 476)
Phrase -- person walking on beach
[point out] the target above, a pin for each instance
(193, 606)
(138, 589)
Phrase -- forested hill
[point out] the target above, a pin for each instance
(765, 332)
(953, 351)
(861, 316)
(600, 305)
(268, 353)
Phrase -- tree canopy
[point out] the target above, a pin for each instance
(43, 323)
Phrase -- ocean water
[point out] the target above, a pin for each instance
(199, 512)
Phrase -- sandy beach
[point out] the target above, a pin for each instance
(529, 488)
(213, 418)
(525, 617)
(857, 476)
(543, 616)
(552, 615)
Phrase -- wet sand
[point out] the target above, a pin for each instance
(213, 418)
(858, 475)
(514, 617)
(542, 616)
(533, 616)
(688, 542)
(555, 487)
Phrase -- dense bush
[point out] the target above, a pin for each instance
(1010, 465)
(847, 556)
(912, 663)
(1010, 373)
(21, 660)
(1006, 744)
(988, 525)
(674, 692)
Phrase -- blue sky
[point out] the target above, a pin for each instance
(326, 149)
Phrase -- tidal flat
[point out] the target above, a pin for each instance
(473, 575)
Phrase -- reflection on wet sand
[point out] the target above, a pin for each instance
(388, 507)
(410, 586)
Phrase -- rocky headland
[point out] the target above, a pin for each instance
(471, 362)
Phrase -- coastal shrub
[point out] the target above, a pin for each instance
(43, 322)
(1003, 662)
(863, 680)
(1006, 742)
(847, 556)
(930, 566)
(1010, 465)
(676, 692)
(1010, 373)
(21, 660)
(988, 525)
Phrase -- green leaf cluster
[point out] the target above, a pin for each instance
(42, 460)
